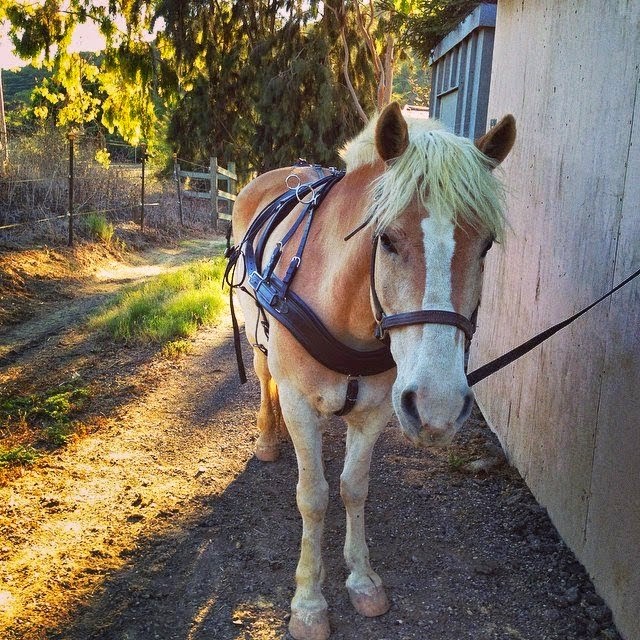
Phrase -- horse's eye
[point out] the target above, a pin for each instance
(486, 248)
(386, 243)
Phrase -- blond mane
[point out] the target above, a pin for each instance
(447, 175)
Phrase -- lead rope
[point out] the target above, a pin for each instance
(499, 363)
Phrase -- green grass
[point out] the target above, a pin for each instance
(99, 227)
(51, 413)
(17, 456)
(456, 462)
(176, 348)
(168, 307)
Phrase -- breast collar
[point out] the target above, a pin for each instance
(274, 294)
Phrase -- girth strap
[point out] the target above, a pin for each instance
(353, 387)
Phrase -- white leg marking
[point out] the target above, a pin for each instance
(308, 607)
(363, 583)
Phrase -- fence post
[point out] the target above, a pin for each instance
(176, 174)
(213, 172)
(71, 136)
(4, 148)
(143, 157)
(233, 185)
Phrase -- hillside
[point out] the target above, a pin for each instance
(18, 84)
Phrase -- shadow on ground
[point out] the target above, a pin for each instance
(462, 556)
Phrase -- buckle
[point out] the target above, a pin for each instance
(257, 283)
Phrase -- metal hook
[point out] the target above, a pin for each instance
(289, 177)
(296, 187)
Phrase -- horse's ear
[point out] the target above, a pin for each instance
(497, 142)
(392, 135)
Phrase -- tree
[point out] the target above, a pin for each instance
(114, 89)
(264, 83)
(256, 81)
(4, 150)
(424, 23)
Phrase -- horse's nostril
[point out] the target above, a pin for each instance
(408, 403)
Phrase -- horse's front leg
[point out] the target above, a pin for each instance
(309, 618)
(270, 423)
(364, 585)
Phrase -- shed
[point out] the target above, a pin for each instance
(568, 413)
(461, 71)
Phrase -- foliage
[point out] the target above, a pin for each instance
(99, 227)
(257, 82)
(52, 412)
(216, 81)
(429, 21)
(176, 348)
(260, 82)
(456, 462)
(411, 82)
(168, 306)
(19, 83)
(17, 455)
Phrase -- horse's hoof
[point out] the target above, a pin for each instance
(370, 603)
(267, 453)
(311, 626)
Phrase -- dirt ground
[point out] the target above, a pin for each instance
(156, 522)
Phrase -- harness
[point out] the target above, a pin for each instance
(274, 296)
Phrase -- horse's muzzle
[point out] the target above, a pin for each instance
(430, 420)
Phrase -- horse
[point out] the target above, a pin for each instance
(433, 206)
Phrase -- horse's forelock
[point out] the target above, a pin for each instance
(448, 175)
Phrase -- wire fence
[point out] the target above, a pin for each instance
(54, 182)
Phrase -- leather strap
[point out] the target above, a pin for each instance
(307, 328)
(499, 363)
(353, 386)
(274, 295)
(426, 316)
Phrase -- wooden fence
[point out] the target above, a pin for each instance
(221, 199)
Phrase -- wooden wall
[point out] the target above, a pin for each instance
(568, 413)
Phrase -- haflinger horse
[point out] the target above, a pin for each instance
(433, 205)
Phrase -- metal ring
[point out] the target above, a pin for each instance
(297, 177)
(302, 200)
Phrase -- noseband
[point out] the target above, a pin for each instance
(424, 316)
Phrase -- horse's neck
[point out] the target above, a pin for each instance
(341, 267)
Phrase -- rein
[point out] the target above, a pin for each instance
(511, 356)
(426, 316)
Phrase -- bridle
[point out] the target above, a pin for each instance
(384, 322)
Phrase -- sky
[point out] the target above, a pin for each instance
(85, 38)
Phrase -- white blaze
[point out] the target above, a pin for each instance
(430, 392)
(439, 246)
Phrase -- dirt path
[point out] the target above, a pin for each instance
(159, 524)
(51, 318)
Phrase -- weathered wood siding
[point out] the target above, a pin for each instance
(568, 413)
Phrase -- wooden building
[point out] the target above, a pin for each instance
(568, 414)
(461, 72)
